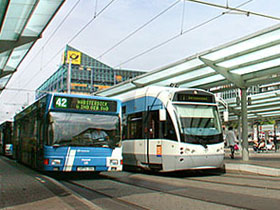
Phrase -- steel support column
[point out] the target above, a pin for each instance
(244, 118)
(239, 132)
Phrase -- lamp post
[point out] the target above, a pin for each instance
(69, 76)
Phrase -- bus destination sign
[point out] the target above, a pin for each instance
(85, 104)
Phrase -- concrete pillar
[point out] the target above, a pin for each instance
(244, 118)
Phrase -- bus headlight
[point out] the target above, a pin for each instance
(56, 162)
(114, 162)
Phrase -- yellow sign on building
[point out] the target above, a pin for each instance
(75, 57)
(119, 78)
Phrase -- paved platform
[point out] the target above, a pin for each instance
(263, 163)
(22, 188)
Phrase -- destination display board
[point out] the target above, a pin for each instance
(195, 98)
(84, 104)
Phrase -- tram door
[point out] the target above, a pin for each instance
(154, 143)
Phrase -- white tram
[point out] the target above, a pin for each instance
(170, 129)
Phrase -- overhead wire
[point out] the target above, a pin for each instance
(75, 36)
(177, 36)
(183, 16)
(139, 28)
(95, 10)
(51, 36)
(128, 36)
(247, 12)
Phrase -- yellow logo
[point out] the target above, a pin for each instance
(74, 56)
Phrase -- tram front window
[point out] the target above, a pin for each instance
(199, 124)
(72, 129)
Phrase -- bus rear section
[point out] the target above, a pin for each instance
(80, 159)
(6, 144)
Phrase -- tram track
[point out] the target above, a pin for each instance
(193, 192)
(235, 184)
(91, 194)
(258, 177)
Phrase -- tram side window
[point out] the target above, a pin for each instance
(154, 124)
(135, 126)
(168, 130)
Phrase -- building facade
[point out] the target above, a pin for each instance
(88, 75)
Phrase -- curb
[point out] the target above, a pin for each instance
(260, 170)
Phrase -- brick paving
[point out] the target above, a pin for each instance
(18, 187)
(23, 188)
(266, 159)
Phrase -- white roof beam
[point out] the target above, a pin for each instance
(234, 78)
(6, 45)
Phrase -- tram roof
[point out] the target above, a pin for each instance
(21, 25)
(251, 60)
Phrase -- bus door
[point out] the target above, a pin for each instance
(40, 143)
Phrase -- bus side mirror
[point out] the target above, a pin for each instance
(162, 115)
(226, 116)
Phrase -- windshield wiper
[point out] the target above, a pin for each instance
(59, 145)
(200, 141)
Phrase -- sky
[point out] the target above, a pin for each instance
(117, 21)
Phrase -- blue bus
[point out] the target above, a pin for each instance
(65, 132)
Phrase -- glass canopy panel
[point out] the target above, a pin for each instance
(3, 58)
(17, 15)
(41, 16)
(260, 111)
(258, 67)
(116, 89)
(188, 76)
(266, 95)
(270, 114)
(255, 56)
(266, 100)
(3, 6)
(170, 71)
(242, 46)
(263, 105)
(4, 80)
(18, 54)
(203, 81)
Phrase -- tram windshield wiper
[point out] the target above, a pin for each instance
(200, 141)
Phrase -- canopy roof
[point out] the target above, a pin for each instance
(252, 60)
(21, 25)
(262, 106)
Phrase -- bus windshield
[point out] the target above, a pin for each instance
(73, 129)
(199, 124)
